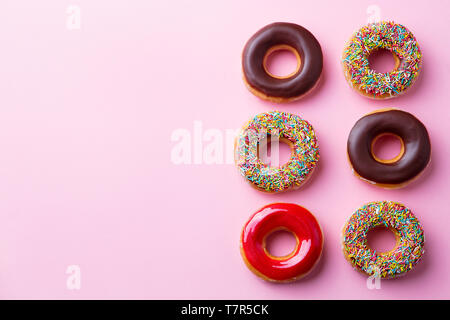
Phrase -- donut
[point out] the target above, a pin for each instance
(281, 216)
(415, 151)
(401, 221)
(375, 36)
(288, 128)
(282, 36)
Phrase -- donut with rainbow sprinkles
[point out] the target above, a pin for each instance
(285, 127)
(401, 221)
(378, 36)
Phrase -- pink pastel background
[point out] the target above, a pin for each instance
(86, 176)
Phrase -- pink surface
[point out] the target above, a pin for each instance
(86, 176)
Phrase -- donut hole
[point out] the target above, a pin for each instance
(382, 61)
(282, 62)
(280, 243)
(381, 239)
(274, 152)
(387, 148)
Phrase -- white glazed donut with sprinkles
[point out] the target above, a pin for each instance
(401, 221)
(289, 128)
(382, 35)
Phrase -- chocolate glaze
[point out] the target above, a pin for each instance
(415, 139)
(280, 33)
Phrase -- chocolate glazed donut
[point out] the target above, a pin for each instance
(412, 160)
(282, 36)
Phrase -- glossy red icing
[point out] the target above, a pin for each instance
(277, 216)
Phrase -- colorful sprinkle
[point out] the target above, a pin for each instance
(382, 35)
(399, 219)
(284, 125)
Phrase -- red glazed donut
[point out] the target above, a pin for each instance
(281, 216)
